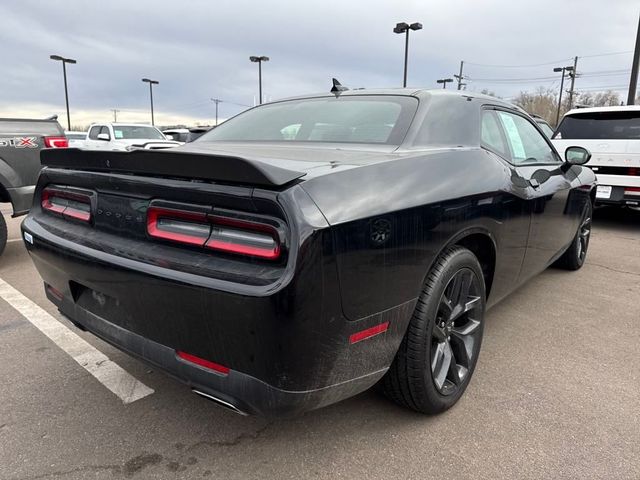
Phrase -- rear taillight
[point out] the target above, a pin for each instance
(633, 171)
(178, 226)
(56, 142)
(68, 204)
(243, 237)
(217, 232)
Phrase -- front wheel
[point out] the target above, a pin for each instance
(439, 352)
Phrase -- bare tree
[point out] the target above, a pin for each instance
(543, 102)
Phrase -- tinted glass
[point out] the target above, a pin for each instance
(548, 131)
(450, 121)
(376, 119)
(121, 132)
(526, 143)
(604, 125)
(27, 127)
(491, 134)
(93, 133)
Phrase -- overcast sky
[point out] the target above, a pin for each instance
(199, 49)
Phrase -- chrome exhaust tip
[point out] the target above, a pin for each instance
(219, 401)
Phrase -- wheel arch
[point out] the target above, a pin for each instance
(483, 245)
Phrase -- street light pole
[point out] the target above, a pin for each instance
(563, 70)
(64, 74)
(259, 61)
(151, 84)
(635, 66)
(444, 82)
(404, 27)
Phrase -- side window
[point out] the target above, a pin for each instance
(526, 143)
(491, 134)
(93, 133)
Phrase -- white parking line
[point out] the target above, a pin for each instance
(110, 374)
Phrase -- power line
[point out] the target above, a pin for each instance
(610, 54)
(519, 66)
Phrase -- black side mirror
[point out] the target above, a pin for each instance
(577, 155)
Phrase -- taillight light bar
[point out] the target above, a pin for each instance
(68, 204)
(178, 225)
(226, 234)
(243, 237)
(56, 142)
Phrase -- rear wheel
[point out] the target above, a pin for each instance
(3, 234)
(574, 257)
(440, 349)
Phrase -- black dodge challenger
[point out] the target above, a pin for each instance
(310, 248)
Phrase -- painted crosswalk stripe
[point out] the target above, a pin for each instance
(107, 372)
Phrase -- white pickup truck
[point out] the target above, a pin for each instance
(125, 136)
(612, 135)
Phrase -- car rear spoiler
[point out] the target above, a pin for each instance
(172, 163)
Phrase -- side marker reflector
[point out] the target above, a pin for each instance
(216, 367)
(368, 333)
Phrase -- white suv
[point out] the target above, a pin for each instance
(612, 135)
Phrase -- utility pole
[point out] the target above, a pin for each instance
(115, 115)
(216, 101)
(573, 81)
(460, 77)
(633, 83)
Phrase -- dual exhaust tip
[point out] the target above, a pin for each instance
(219, 401)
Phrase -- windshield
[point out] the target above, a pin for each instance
(377, 119)
(600, 126)
(121, 132)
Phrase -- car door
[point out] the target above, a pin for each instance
(91, 143)
(535, 163)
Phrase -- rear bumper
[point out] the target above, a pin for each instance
(245, 393)
(287, 346)
(21, 199)
(618, 194)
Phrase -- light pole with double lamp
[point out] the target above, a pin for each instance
(563, 70)
(259, 61)
(151, 84)
(444, 81)
(403, 27)
(64, 73)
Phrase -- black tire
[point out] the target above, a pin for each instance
(573, 258)
(3, 234)
(415, 377)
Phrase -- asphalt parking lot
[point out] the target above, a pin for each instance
(556, 394)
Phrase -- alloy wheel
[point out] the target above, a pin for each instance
(456, 331)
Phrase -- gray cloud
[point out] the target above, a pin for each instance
(199, 49)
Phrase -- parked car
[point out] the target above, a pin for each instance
(126, 136)
(21, 140)
(544, 126)
(197, 132)
(279, 275)
(613, 135)
(76, 139)
(177, 134)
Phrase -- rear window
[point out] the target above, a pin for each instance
(29, 127)
(604, 126)
(376, 119)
